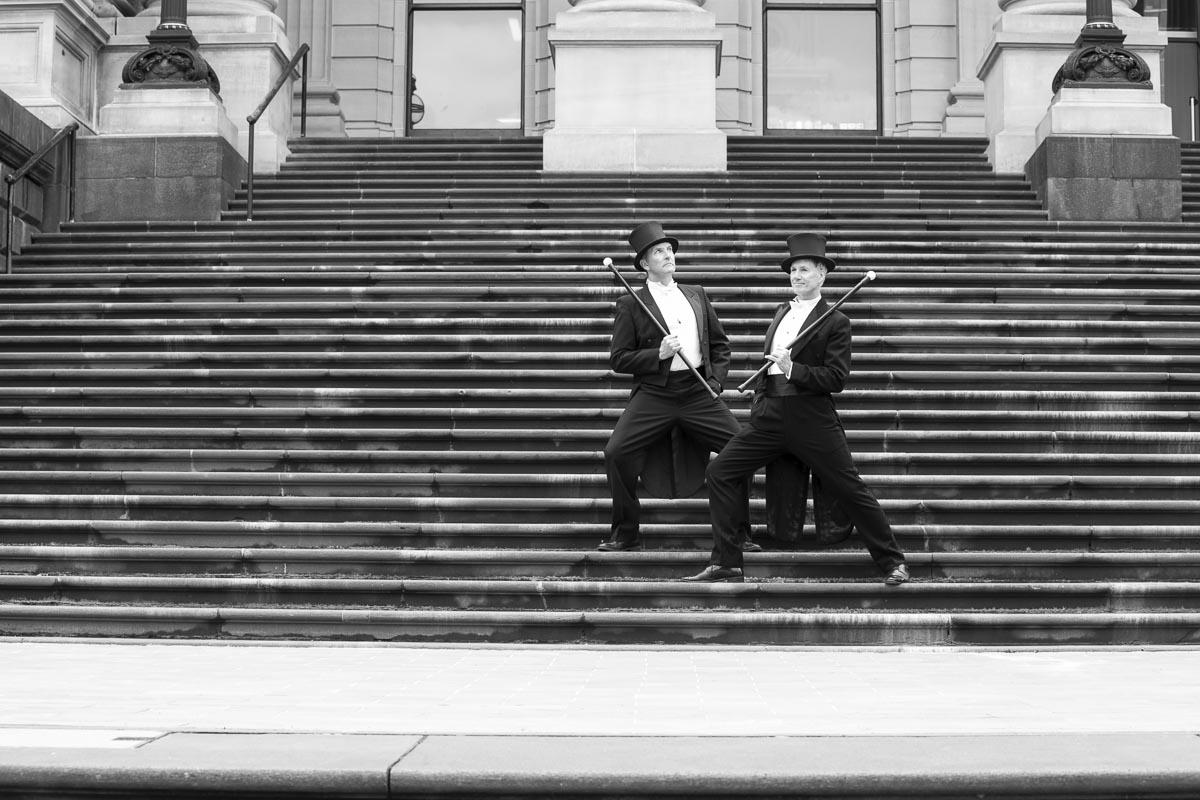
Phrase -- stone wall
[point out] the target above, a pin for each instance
(36, 198)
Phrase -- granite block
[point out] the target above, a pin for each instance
(157, 178)
(1101, 178)
(1146, 158)
(102, 158)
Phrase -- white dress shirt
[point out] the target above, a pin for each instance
(790, 326)
(681, 321)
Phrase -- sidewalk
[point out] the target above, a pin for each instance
(718, 720)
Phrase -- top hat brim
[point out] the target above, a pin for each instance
(637, 259)
(830, 264)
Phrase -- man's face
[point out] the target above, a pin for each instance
(659, 262)
(807, 276)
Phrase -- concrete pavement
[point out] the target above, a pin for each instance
(391, 720)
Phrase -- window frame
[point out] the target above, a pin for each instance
(874, 6)
(414, 6)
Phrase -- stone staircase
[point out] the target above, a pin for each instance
(376, 411)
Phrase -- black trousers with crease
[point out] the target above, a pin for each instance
(651, 414)
(807, 427)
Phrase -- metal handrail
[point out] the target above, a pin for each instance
(11, 179)
(301, 57)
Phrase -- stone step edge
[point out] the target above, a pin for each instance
(715, 627)
(480, 504)
(501, 556)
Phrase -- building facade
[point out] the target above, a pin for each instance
(892, 67)
(395, 68)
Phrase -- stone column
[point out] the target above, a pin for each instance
(1030, 41)
(965, 111)
(635, 88)
(311, 22)
(219, 8)
(49, 59)
(1105, 149)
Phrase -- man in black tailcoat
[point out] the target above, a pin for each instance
(670, 409)
(793, 414)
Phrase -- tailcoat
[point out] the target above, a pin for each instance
(796, 417)
(671, 423)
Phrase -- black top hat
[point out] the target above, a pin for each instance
(645, 236)
(807, 245)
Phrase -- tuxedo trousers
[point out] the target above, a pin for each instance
(651, 414)
(806, 427)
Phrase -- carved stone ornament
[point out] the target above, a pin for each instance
(1103, 65)
(168, 66)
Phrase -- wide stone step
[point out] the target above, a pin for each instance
(609, 627)
(415, 166)
(592, 288)
(963, 485)
(832, 200)
(738, 314)
(1082, 379)
(520, 230)
(682, 215)
(584, 565)
(436, 452)
(414, 163)
(362, 330)
(878, 354)
(75, 421)
(832, 179)
(590, 349)
(417, 258)
(850, 141)
(531, 536)
(357, 287)
(480, 509)
(794, 214)
(888, 400)
(578, 595)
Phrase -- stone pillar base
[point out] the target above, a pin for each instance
(635, 90)
(167, 112)
(247, 53)
(125, 178)
(1026, 50)
(1093, 178)
(965, 112)
(325, 116)
(630, 150)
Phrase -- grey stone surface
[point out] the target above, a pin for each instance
(108, 158)
(1095, 178)
(1146, 158)
(21, 134)
(157, 178)
(365, 766)
(221, 765)
(1050, 766)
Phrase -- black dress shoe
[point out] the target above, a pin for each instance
(897, 576)
(715, 574)
(748, 546)
(617, 547)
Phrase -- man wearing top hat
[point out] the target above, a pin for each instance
(793, 414)
(670, 408)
